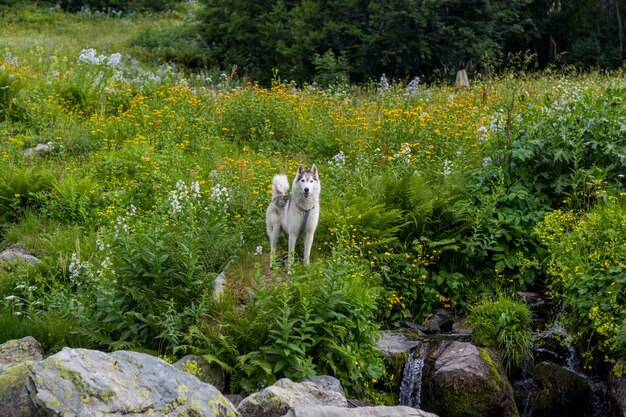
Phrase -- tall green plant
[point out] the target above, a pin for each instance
(320, 321)
(505, 324)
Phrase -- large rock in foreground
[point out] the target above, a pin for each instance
(81, 382)
(16, 359)
(462, 380)
(381, 411)
(285, 394)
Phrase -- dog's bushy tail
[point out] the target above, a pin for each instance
(280, 186)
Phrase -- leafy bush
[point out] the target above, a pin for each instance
(504, 324)
(149, 279)
(561, 146)
(320, 321)
(180, 44)
(587, 275)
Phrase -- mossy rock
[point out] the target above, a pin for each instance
(15, 388)
(20, 351)
(561, 392)
(461, 380)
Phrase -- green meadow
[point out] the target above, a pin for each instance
(154, 180)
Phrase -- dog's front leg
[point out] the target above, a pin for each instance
(293, 239)
(308, 242)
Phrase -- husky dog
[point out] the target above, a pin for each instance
(296, 214)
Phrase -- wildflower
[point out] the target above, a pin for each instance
(447, 167)
(114, 60)
(412, 87)
(383, 84)
(258, 250)
(339, 160)
(89, 56)
(487, 161)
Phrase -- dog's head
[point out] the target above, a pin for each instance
(307, 181)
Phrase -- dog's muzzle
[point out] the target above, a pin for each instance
(306, 193)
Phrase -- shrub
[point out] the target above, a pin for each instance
(320, 321)
(504, 324)
(148, 281)
(561, 146)
(587, 275)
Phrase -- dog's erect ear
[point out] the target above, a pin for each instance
(314, 170)
(300, 169)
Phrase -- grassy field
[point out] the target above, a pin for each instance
(155, 180)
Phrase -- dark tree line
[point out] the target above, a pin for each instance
(328, 39)
(358, 40)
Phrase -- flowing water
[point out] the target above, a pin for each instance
(597, 404)
(411, 386)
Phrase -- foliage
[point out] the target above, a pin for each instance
(157, 179)
(586, 274)
(505, 324)
(566, 145)
(149, 278)
(320, 321)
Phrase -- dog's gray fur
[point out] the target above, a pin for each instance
(286, 213)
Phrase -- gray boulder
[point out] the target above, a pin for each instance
(19, 351)
(395, 343)
(206, 372)
(41, 149)
(17, 254)
(285, 394)
(463, 380)
(16, 358)
(81, 382)
(381, 411)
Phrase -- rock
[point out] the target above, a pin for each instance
(442, 319)
(463, 380)
(395, 343)
(81, 382)
(15, 352)
(17, 254)
(15, 388)
(560, 391)
(206, 372)
(41, 149)
(285, 394)
(617, 393)
(381, 411)
(16, 358)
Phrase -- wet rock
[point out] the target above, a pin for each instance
(617, 393)
(285, 394)
(395, 343)
(463, 380)
(442, 319)
(560, 391)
